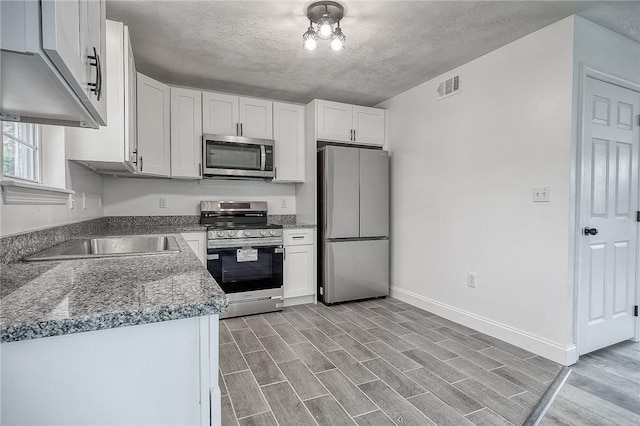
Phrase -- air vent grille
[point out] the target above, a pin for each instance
(449, 87)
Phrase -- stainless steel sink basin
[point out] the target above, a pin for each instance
(110, 246)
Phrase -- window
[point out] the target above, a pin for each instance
(20, 151)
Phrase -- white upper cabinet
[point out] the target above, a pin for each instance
(111, 148)
(154, 137)
(186, 133)
(236, 116)
(368, 125)
(350, 123)
(53, 62)
(220, 114)
(256, 118)
(288, 133)
(334, 121)
(73, 36)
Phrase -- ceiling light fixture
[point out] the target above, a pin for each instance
(326, 15)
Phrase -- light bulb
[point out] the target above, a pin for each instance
(338, 39)
(325, 27)
(310, 44)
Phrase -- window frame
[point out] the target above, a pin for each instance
(37, 156)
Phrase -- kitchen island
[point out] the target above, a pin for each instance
(114, 340)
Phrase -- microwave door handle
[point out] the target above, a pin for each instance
(263, 157)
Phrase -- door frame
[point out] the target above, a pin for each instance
(575, 219)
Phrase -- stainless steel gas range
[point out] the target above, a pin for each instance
(244, 255)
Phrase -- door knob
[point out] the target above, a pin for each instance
(590, 231)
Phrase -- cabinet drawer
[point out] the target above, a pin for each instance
(298, 237)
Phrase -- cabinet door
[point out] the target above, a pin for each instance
(108, 143)
(288, 133)
(298, 271)
(198, 243)
(220, 114)
(368, 125)
(153, 127)
(256, 118)
(186, 133)
(131, 116)
(70, 31)
(334, 121)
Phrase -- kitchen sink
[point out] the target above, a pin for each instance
(110, 246)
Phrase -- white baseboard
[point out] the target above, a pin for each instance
(300, 300)
(544, 348)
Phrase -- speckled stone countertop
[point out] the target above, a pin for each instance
(52, 298)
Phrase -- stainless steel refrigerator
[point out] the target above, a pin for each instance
(353, 223)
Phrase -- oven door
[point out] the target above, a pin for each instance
(246, 268)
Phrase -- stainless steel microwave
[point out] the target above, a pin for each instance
(237, 156)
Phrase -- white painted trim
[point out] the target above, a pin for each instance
(585, 72)
(300, 300)
(18, 192)
(539, 346)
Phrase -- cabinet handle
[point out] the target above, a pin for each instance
(135, 152)
(354, 135)
(299, 237)
(275, 173)
(97, 86)
(141, 163)
(284, 253)
(237, 129)
(240, 129)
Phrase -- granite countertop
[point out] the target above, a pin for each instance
(298, 226)
(52, 298)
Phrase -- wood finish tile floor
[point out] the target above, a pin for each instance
(378, 362)
(602, 389)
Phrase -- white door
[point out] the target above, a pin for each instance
(288, 133)
(298, 271)
(256, 118)
(220, 114)
(335, 121)
(368, 125)
(153, 101)
(186, 133)
(609, 201)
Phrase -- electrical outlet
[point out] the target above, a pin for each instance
(72, 200)
(472, 278)
(283, 203)
(163, 203)
(541, 194)
(84, 201)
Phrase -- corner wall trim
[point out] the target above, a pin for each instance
(557, 353)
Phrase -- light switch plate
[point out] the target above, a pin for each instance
(541, 194)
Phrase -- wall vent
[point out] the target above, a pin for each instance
(449, 87)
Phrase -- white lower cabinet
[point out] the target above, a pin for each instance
(161, 373)
(299, 266)
(198, 243)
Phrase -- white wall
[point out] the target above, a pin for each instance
(463, 170)
(141, 197)
(15, 219)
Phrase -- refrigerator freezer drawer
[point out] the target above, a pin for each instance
(355, 270)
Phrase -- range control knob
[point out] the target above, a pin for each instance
(247, 233)
(231, 233)
(272, 232)
(220, 234)
(263, 233)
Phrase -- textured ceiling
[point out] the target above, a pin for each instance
(254, 48)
